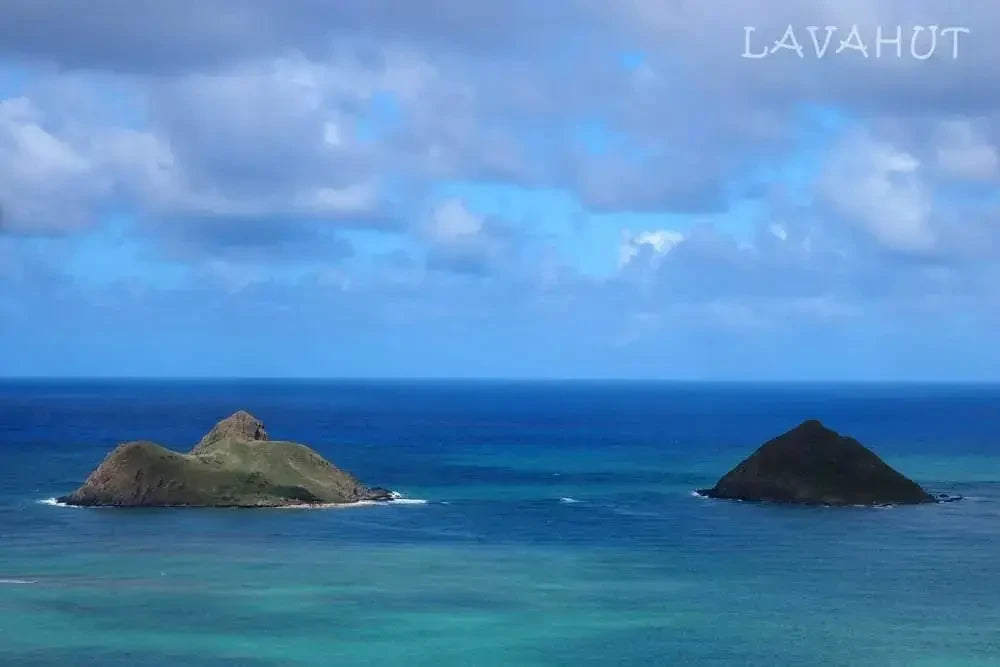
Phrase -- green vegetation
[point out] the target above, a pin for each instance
(235, 465)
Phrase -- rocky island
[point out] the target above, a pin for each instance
(814, 465)
(234, 465)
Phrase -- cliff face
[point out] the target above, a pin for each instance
(234, 465)
(814, 465)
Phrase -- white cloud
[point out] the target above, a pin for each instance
(657, 242)
(452, 222)
(461, 240)
(965, 153)
(331, 134)
(48, 182)
(359, 198)
(881, 189)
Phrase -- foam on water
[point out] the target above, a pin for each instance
(397, 499)
(329, 506)
(52, 502)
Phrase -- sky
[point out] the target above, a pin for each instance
(649, 189)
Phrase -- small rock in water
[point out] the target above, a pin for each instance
(380, 494)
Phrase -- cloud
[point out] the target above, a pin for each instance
(452, 222)
(462, 241)
(651, 245)
(291, 157)
(47, 182)
(222, 164)
(244, 106)
(880, 188)
(185, 35)
(714, 42)
(965, 154)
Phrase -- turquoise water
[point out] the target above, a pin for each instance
(559, 529)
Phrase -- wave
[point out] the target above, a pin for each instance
(568, 501)
(53, 502)
(627, 512)
(397, 499)
(887, 506)
(328, 506)
(17, 582)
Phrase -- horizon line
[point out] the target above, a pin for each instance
(491, 379)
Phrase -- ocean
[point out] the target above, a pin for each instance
(559, 528)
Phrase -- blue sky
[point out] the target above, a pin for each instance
(456, 189)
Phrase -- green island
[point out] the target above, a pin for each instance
(235, 465)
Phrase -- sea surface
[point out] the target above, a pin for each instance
(559, 529)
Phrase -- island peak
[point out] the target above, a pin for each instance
(814, 465)
(241, 426)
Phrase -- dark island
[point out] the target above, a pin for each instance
(813, 465)
(235, 465)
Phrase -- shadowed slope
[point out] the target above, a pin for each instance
(814, 465)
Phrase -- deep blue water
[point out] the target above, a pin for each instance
(560, 529)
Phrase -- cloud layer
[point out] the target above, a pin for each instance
(578, 188)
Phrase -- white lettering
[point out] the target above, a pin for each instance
(954, 48)
(917, 29)
(885, 38)
(784, 43)
(748, 30)
(879, 41)
(830, 29)
(854, 42)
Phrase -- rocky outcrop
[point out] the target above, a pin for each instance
(234, 465)
(380, 494)
(814, 465)
(240, 425)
